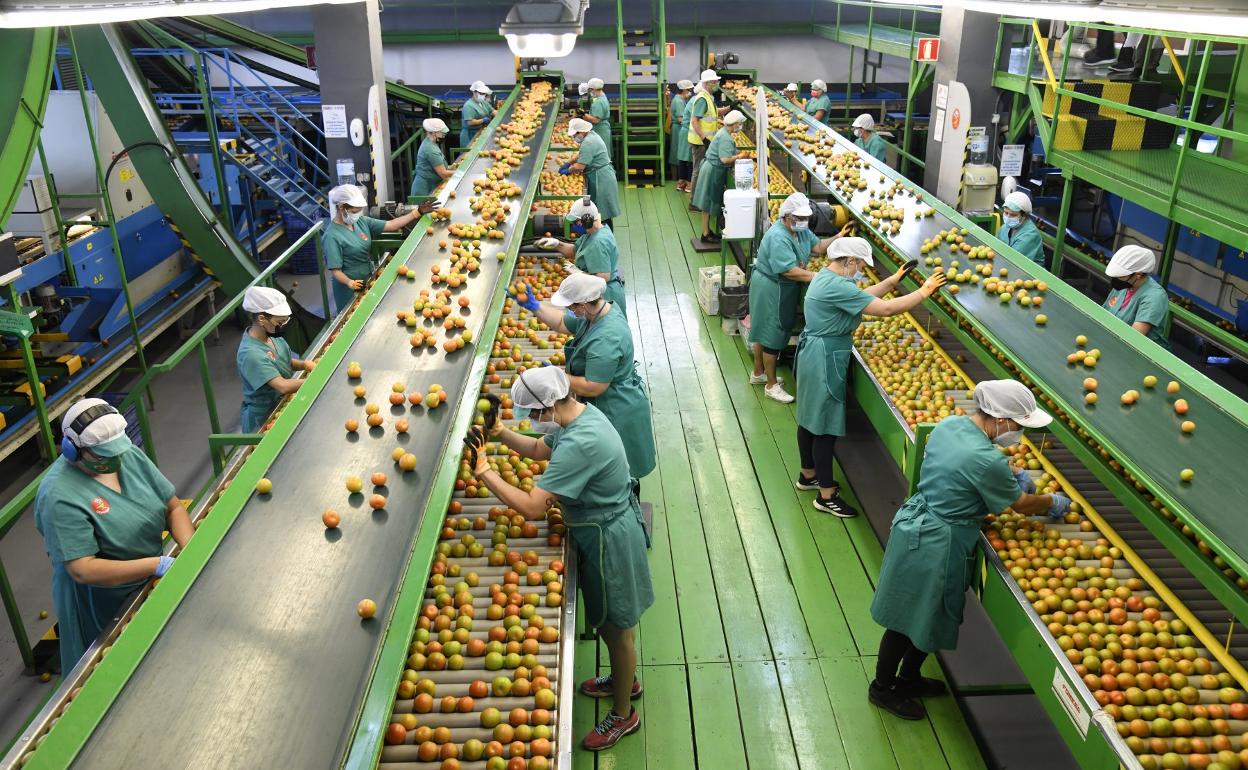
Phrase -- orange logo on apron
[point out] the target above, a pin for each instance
(1113, 301)
(100, 505)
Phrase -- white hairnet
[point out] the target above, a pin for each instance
(818, 85)
(708, 75)
(101, 430)
(540, 388)
(579, 126)
(595, 84)
(791, 87)
(348, 194)
(582, 89)
(262, 299)
(434, 126)
(580, 208)
(479, 87)
(733, 118)
(853, 247)
(1130, 260)
(865, 121)
(1012, 400)
(684, 85)
(1018, 201)
(796, 204)
(578, 287)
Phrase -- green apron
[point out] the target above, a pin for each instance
(813, 105)
(599, 253)
(1148, 304)
(833, 309)
(349, 249)
(875, 147)
(473, 110)
(588, 472)
(1025, 239)
(425, 177)
(773, 298)
(599, 176)
(930, 555)
(257, 364)
(78, 516)
(602, 351)
(708, 196)
(680, 148)
(601, 109)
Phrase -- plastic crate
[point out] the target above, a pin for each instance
(709, 289)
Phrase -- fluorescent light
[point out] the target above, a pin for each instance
(52, 15)
(544, 28)
(537, 45)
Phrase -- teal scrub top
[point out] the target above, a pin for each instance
(597, 252)
(1025, 239)
(588, 472)
(833, 309)
(1148, 304)
(425, 177)
(930, 555)
(599, 176)
(602, 351)
(822, 102)
(78, 516)
(349, 249)
(708, 196)
(679, 147)
(601, 109)
(875, 147)
(474, 109)
(257, 364)
(773, 298)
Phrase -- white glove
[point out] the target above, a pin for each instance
(570, 268)
(548, 244)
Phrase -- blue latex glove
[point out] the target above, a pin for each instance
(1059, 506)
(1025, 483)
(165, 563)
(566, 168)
(530, 304)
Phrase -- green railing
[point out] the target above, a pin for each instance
(403, 163)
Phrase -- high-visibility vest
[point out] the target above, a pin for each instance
(709, 121)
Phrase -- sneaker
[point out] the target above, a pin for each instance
(806, 484)
(1125, 61)
(604, 687)
(923, 687)
(611, 729)
(778, 393)
(1095, 58)
(711, 238)
(894, 702)
(761, 379)
(835, 506)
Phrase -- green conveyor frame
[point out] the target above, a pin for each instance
(28, 55)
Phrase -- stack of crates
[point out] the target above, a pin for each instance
(1084, 125)
(304, 260)
(708, 285)
(131, 413)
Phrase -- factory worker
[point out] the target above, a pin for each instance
(819, 106)
(834, 307)
(599, 114)
(867, 139)
(348, 240)
(583, 103)
(594, 251)
(775, 288)
(102, 509)
(1135, 296)
(931, 546)
(593, 161)
(679, 148)
(588, 475)
(265, 364)
(476, 113)
(791, 93)
(721, 154)
(431, 166)
(703, 120)
(1018, 230)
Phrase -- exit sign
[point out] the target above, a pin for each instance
(927, 49)
(671, 50)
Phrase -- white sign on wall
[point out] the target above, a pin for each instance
(1012, 159)
(334, 119)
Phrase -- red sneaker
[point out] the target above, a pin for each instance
(604, 687)
(610, 730)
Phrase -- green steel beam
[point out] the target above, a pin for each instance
(28, 56)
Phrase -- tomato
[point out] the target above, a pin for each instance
(396, 734)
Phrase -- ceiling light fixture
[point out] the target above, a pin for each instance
(545, 29)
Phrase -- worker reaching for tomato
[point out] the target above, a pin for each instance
(595, 250)
(594, 163)
(1135, 297)
(266, 365)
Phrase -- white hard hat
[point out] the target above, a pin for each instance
(579, 126)
(595, 84)
(818, 85)
(578, 287)
(796, 204)
(478, 87)
(262, 299)
(1011, 400)
(708, 75)
(733, 118)
(580, 207)
(583, 89)
(434, 126)
(865, 121)
(854, 247)
(684, 85)
(102, 429)
(791, 87)
(539, 388)
(348, 194)
(1130, 260)
(1018, 201)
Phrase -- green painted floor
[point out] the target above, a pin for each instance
(759, 647)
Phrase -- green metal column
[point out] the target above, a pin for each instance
(1063, 217)
(32, 378)
(1239, 150)
(26, 57)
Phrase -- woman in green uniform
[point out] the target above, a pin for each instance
(476, 113)
(931, 547)
(348, 240)
(588, 477)
(595, 164)
(594, 251)
(265, 364)
(1018, 230)
(679, 147)
(721, 153)
(600, 113)
(431, 166)
(819, 106)
(1135, 296)
(834, 307)
(775, 288)
(867, 139)
(102, 509)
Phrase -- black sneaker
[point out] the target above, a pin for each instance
(894, 702)
(1097, 58)
(923, 687)
(836, 506)
(1125, 61)
(806, 484)
(711, 238)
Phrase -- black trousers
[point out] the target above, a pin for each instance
(896, 650)
(819, 452)
(684, 170)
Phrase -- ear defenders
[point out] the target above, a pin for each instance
(69, 449)
(586, 220)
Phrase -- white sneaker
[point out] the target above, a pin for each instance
(778, 393)
(760, 379)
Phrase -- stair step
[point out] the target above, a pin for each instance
(632, 157)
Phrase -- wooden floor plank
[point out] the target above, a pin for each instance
(584, 710)
(762, 709)
(914, 742)
(862, 731)
(669, 721)
(717, 730)
(812, 723)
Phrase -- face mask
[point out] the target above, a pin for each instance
(1012, 221)
(101, 465)
(579, 138)
(349, 219)
(1009, 438)
(579, 228)
(858, 276)
(801, 225)
(278, 331)
(1118, 284)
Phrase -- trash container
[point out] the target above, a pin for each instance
(734, 304)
